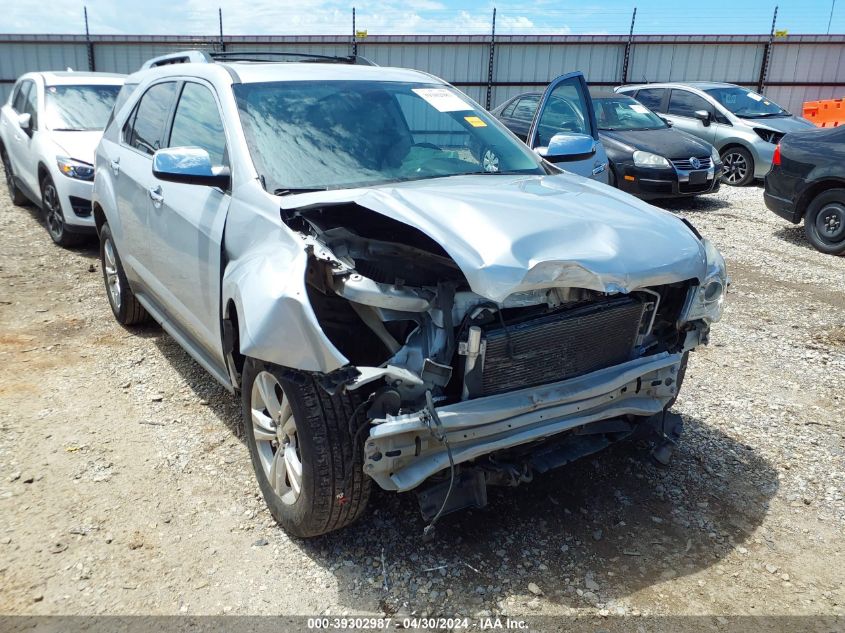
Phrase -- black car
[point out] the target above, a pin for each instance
(807, 181)
(647, 157)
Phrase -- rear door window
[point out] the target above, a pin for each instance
(150, 118)
(651, 98)
(685, 103)
(197, 123)
(526, 108)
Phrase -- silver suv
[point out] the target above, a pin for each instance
(744, 126)
(400, 290)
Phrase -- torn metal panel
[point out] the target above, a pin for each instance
(402, 452)
(520, 233)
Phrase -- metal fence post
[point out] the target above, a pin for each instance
(490, 63)
(88, 43)
(628, 45)
(222, 44)
(354, 35)
(767, 53)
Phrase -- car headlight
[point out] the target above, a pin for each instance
(714, 156)
(707, 301)
(647, 159)
(75, 168)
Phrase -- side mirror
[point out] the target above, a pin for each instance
(566, 146)
(25, 122)
(190, 166)
(703, 116)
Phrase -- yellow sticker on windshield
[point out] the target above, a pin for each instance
(474, 121)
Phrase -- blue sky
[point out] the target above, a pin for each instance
(285, 17)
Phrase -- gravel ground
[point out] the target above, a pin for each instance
(126, 488)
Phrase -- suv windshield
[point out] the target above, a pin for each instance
(79, 108)
(336, 134)
(746, 104)
(625, 113)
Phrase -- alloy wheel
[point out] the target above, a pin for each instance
(53, 211)
(490, 162)
(736, 167)
(112, 277)
(274, 428)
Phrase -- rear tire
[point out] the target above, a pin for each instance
(124, 305)
(300, 437)
(738, 167)
(18, 199)
(824, 223)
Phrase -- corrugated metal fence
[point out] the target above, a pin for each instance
(800, 67)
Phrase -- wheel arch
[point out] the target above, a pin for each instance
(815, 190)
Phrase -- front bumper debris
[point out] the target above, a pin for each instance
(402, 452)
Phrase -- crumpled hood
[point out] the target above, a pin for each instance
(518, 233)
(784, 124)
(78, 145)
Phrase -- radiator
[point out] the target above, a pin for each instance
(560, 345)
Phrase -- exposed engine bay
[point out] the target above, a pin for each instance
(454, 378)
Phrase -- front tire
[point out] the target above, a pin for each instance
(51, 207)
(738, 167)
(124, 305)
(824, 223)
(300, 440)
(18, 199)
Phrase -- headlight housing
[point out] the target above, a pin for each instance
(75, 169)
(714, 156)
(647, 159)
(707, 301)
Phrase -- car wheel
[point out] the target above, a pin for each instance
(611, 177)
(124, 305)
(738, 167)
(306, 449)
(51, 207)
(824, 222)
(14, 193)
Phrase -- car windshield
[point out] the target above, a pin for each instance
(336, 134)
(745, 103)
(625, 113)
(79, 108)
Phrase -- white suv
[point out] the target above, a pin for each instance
(49, 129)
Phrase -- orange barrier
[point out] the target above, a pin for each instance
(827, 113)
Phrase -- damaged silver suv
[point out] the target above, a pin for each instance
(400, 290)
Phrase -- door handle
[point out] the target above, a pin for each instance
(115, 166)
(599, 168)
(156, 196)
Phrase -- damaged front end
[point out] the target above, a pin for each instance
(465, 390)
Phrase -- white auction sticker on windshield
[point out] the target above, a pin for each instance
(443, 100)
(755, 96)
(636, 107)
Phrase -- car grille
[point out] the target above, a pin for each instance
(561, 345)
(684, 164)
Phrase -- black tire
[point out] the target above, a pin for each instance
(15, 194)
(738, 167)
(124, 305)
(612, 180)
(334, 489)
(824, 222)
(54, 217)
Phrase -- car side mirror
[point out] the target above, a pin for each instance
(567, 146)
(25, 122)
(703, 116)
(190, 166)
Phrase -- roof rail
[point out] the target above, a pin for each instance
(261, 56)
(182, 57)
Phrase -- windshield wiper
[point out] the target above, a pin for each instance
(290, 192)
